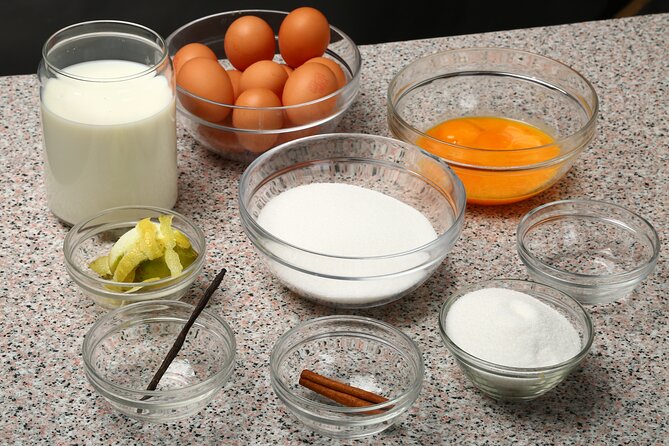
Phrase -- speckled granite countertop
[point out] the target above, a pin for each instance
(619, 396)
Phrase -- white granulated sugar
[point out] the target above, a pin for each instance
(345, 220)
(511, 328)
(339, 219)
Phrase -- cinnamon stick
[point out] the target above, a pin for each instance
(341, 387)
(341, 393)
(339, 397)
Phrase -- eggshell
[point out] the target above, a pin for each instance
(191, 51)
(253, 119)
(334, 67)
(207, 79)
(247, 40)
(234, 76)
(287, 69)
(304, 33)
(264, 74)
(307, 83)
(219, 140)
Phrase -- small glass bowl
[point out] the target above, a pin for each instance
(93, 237)
(501, 83)
(359, 351)
(246, 144)
(594, 251)
(123, 350)
(515, 383)
(394, 168)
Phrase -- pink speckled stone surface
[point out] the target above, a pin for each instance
(619, 396)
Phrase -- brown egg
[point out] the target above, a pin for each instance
(334, 67)
(248, 40)
(251, 119)
(303, 34)
(264, 74)
(191, 51)
(219, 140)
(234, 76)
(207, 79)
(224, 141)
(287, 69)
(307, 83)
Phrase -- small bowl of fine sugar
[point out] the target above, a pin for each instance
(514, 339)
(351, 220)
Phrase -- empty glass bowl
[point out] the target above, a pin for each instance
(359, 351)
(394, 168)
(124, 349)
(594, 251)
(517, 383)
(498, 83)
(94, 237)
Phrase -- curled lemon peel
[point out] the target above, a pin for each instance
(171, 257)
(149, 244)
(147, 253)
(101, 266)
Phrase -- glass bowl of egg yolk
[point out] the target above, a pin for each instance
(246, 79)
(510, 123)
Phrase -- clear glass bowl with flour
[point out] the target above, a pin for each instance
(515, 339)
(351, 220)
(108, 113)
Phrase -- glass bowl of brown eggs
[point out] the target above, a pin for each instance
(249, 80)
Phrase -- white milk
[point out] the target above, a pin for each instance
(108, 143)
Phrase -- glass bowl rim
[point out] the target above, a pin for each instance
(303, 404)
(200, 387)
(591, 122)
(457, 199)
(508, 371)
(558, 274)
(69, 246)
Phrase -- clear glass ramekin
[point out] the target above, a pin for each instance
(360, 351)
(596, 252)
(395, 168)
(516, 383)
(94, 237)
(123, 350)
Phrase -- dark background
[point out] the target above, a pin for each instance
(26, 24)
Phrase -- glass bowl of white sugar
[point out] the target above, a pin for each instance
(514, 339)
(351, 220)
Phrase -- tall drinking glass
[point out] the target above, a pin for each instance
(107, 96)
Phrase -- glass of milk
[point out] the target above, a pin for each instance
(107, 96)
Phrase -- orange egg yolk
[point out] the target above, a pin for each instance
(494, 142)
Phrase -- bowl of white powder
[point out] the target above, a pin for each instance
(514, 339)
(351, 220)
